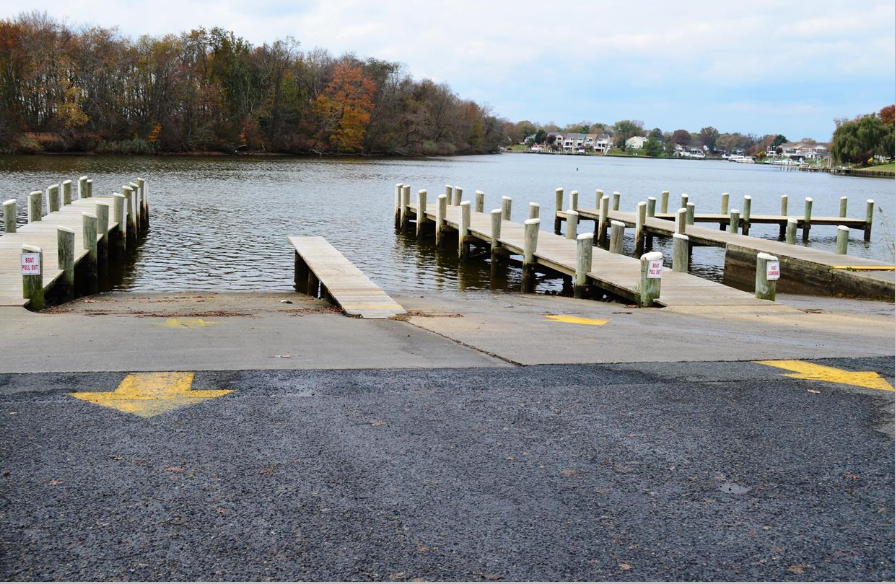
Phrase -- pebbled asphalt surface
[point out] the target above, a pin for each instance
(710, 471)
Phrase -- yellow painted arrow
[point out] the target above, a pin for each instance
(577, 319)
(813, 372)
(150, 394)
(185, 323)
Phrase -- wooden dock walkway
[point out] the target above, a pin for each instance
(616, 273)
(322, 271)
(60, 238)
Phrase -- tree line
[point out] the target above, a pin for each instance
(94, 90)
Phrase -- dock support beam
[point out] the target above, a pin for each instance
(89, 262)
(65, 258)
(641, 219)
(441, 213)
(842, 239)
(421, 213)
(33, 284)
(602, 221)
(530, 244)
(495, 242)
(733, 221)
(651, 277)
(869, 218)
(9, 216)
(397, 207)
(144, 203)
(807, 219)
(583, 264)
(766, 279)
(118, 214)
(102, 246)
(572, 224)
(405, 201)
(790, 233)
(463, 231)
(745, 218)
(617, 232)
(558, 205)
(680, 252)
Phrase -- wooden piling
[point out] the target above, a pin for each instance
(89, 263)
(583, 264)
(119, 239)
(651, 278)
(790, 231)
(102, 231)
(65, 258)
(506, 203)
(138, 206)
(421, 213)
(617, 232)
(89, 188)
(530, 244)
(144, 202)
(725, 199)
(495, 242)
(664, 202)
(131, 230)
(733, 221)
(574, 200)
(405, 208)
(534, 211)
(82, 187)
(53, 198)
(463, 231)
(33, 283)
(558, 207)
(869, 218)
(651, 206)
(598, 195)
(449, 190)
(313, 285)
(640, 221)
(767, 273)
(9, 216)
(783, 205)
(745, 216)
(681, 221)
(480, 202)
(842, 239)
(807, 219)
(35, 206)
(441, 214)
(603, 221)
(616, 197)
(66, 192)
(843, 203)
(684, 201)
(457, 194)
(572, 223)
(691, 209)
(396, 211)
(680, 252)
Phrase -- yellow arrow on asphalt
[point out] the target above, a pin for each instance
(577, 319)
(150, 394)
(813, 372)
(185, 323)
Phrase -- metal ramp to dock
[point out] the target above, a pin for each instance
(321, 269)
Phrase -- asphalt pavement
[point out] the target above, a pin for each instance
(639, 471)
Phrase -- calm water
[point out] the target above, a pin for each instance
(221, 223)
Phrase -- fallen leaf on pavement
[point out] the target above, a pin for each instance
(377, 423)
(796, 569)
(813, 391)
(174, 469)
(55, 482)
(624, 566)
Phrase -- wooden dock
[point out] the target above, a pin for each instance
(75, 242)
(618, 274)
(322, 271)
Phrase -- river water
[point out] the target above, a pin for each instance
(220, 223)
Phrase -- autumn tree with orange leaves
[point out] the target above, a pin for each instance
(345, 107)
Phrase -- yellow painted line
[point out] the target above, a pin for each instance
(185, 323)
(150, 394)
(813, 372)
(867, 268)
(577, 319)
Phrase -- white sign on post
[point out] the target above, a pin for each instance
(772, 271)
(30, 264)
(655, 269)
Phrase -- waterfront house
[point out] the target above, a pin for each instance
(636, 142)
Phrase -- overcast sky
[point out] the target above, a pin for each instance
(757, 66)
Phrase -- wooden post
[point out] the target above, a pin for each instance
(572, 223)
(733, 221)
(583, 263)
(33, 284)
(89, 188)
(725, 199)
(651, 206)
(441, 213)
(421, 212)
(681, 221)
(495, 241)
(53, 198)
(9, 216)
(530, 244)
(65, 260)
(66, 192)
(684, 201)
(313, 285)
(534, 210)
(783, 205)
(138, 206)
(82, 187)
(458, 194)
(463, 231)
(506, 203)
(599, 195)
(102, 231)
(680, 251)
(767, 273)
(617, 232)
(664, 202)
(869, 218)
(603, 221)
(790, 233)
(35, 206)
(405, 209)
(480, 202)
(745, 217)
(131, 230)
(691, 211)
(807, 219)
(574, 200)
(558, 206)
(842, 239)
(144, 202)
(640, 220)
(118, 215)
(396, 211)
(616, 197)
(89, 262)
(449, 190)
(843, 206)
(651, 278)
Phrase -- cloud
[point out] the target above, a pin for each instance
(661, 62)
